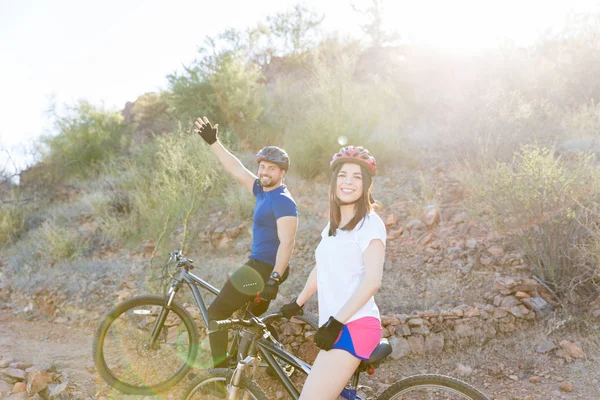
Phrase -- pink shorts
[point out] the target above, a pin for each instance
(360, 337)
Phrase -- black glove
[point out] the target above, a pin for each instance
(269, 292)
(291, 309)
(206, 130)
(328, 333)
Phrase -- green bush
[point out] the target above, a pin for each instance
(13, 218)
(149, 115)
(227, 90)
(87, 136)
(161, 192)
(541, 200)
(330, 109)
(57, 242)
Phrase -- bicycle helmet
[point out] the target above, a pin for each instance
(275, 155)
(357, 155)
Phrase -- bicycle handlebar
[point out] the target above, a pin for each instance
(247, 323)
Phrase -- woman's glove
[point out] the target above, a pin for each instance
(291, 309)
(206, 130)
(328, 333)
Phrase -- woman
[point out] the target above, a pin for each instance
(349, 265)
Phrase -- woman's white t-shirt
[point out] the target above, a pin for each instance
(341, 268)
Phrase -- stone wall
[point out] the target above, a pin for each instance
(510, 303)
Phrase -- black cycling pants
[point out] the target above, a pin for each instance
(239, 289)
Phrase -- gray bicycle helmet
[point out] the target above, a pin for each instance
(275, 155)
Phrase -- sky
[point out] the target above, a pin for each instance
(110, 52)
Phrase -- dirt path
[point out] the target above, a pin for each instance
(69, 349)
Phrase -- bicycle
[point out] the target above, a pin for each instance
(148, 343)
(260, 345)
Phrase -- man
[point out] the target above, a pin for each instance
(273, 234)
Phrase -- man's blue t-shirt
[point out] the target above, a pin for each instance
(270, 206)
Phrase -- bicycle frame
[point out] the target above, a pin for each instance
(192, 281)
(270, 351)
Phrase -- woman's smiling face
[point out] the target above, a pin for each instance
(349, 187)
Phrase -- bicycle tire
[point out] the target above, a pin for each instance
(194, 389)
(310, 319)
(439, 382)
(111, 342)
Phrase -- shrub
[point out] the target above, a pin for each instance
(225, 89)
(13, 218)
(149, 115)
(87, 136)
(540, 199)
(161, 192)
(58, 242)
(330, 109)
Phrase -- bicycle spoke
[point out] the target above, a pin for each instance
(129, 354)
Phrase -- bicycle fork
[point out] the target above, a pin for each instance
(238, 374)
(162, 317)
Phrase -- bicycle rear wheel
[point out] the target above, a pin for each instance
(431, 387)
(124, 356)
(215, 384)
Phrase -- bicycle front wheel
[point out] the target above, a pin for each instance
(431, 387)
(124, 355)
(216, 384)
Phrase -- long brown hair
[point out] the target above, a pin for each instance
(363, 206)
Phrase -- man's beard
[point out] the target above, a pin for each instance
(271, 182)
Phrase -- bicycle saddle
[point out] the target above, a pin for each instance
(382, 350)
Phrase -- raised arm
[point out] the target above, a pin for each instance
(231, 163)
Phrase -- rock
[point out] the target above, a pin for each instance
(546, 346)
(434, 344)
(486, 261)
(395, 234)
(572, 349)
(464, 330)
(57, 390)
(462, 370)
(5, 362)
(516, 311)
(5, 387)
(416, 344)
(534, 379)
(513, 377)
(308, 351)
(20, 365)
(510, 301)
(460, 217)
(522, 295)
(566, 387)
(431, 215)
(291, 329)
(17, 396)
(402, 330)
(19, 387)
(471, 244)
(392, 219)
(539, 305)
(416, 321)
(415, 225)
(496, 251)
(14, 374)
(400, 347)
(38, 381)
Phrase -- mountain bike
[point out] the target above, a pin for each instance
(222, 383)
(148, 343)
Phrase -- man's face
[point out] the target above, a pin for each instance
(269, 174)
